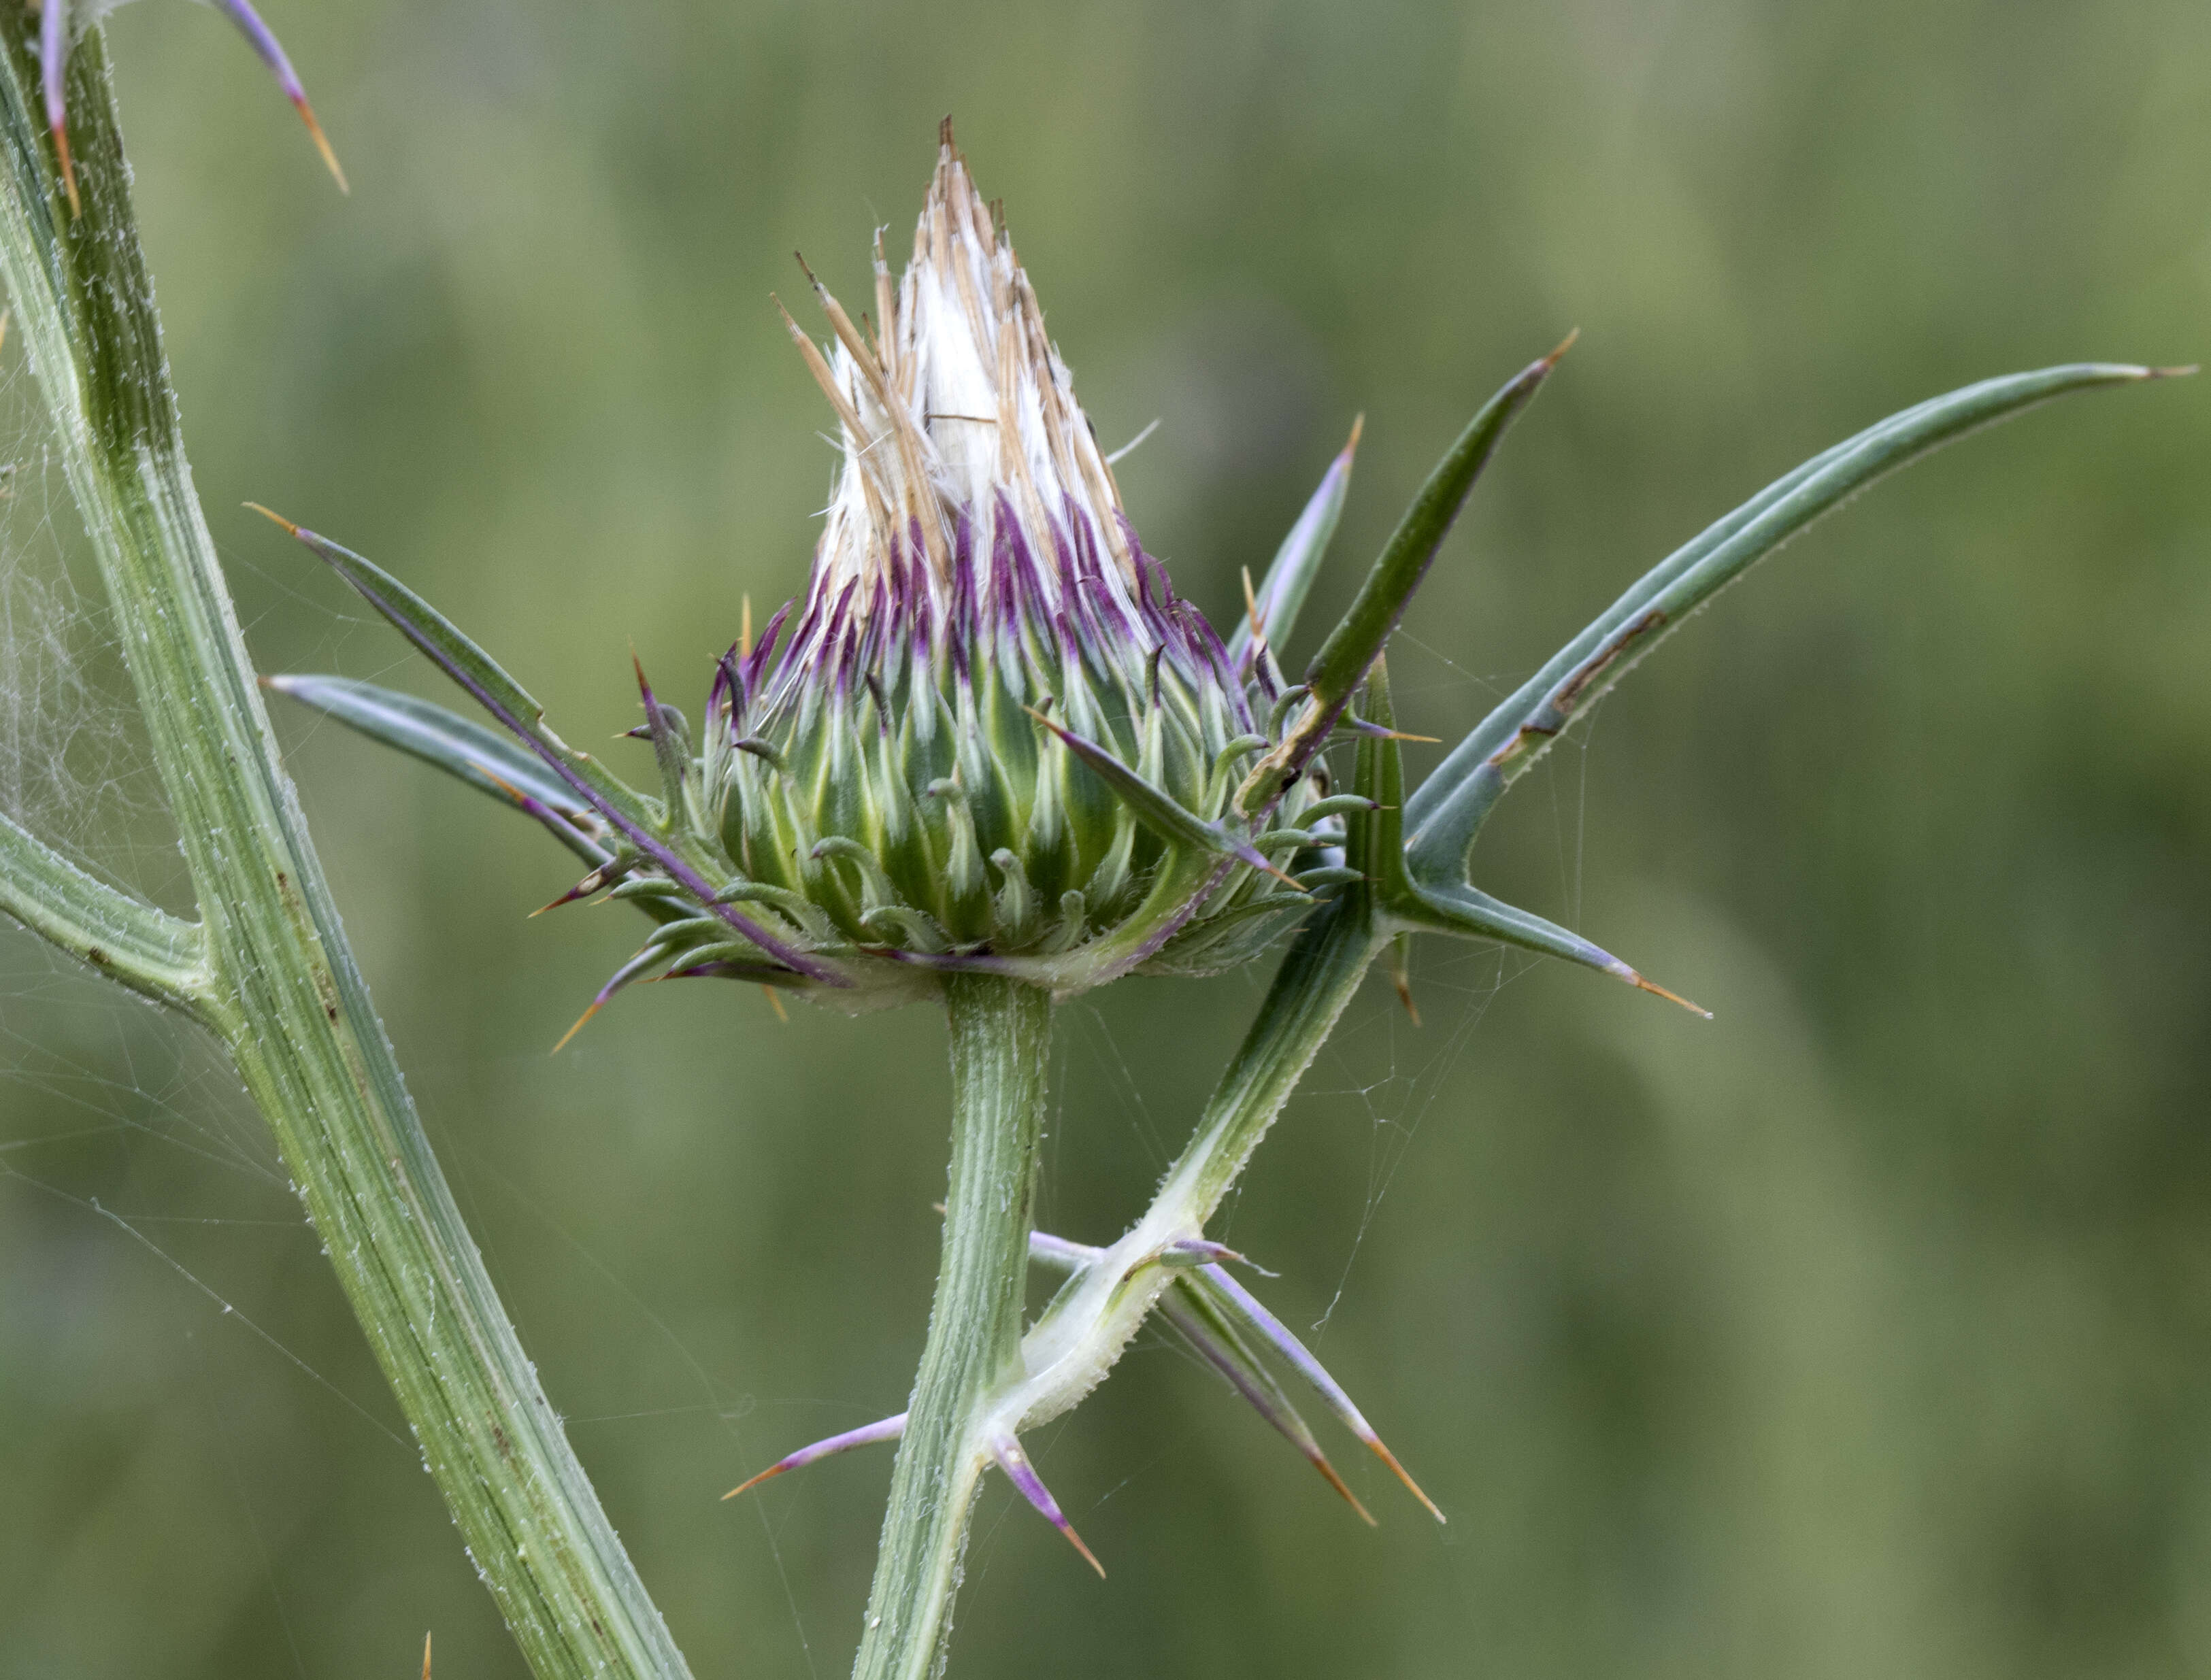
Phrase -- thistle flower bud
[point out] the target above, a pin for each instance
(989, 737)
(993, 735)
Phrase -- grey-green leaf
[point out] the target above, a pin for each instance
(1357, 641)
(460, 746)
(1446, 811)
(1282, 595)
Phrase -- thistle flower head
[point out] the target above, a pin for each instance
(956, 411)
(988, 737)
(992, 735)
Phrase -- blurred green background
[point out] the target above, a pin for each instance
(1861, 1331)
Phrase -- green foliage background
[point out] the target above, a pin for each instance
(1859, 1331)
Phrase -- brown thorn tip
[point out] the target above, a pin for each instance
(69, 171)
(498, 782)
(775, 1469)
(1390, 1458)
(1652, 987)
(1089, 1556)
(2172, 372)
(426, 1657)
(567, 898)
(271, 514)
(1358, 426)
(1334, 1481)
(598, 1004)
(1403, 983)
(1565, 345)
(773, 997)
(322, 144)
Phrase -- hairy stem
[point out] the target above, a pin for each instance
(1083, 1334)
(274, 976)
(1314, 986)
(1001, 1033)
(123, 937)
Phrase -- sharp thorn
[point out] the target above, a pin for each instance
(751, 1482)
(1016, 1463)
(776, 999)
(69, 171)
(868, 1434)
(1656, 990)
(583, 889)
(1320, 1463)
(1403, 983)
(1279, 1337)
(1390, 1458)
(1252, 858)
(598, 1004)
(1089, 1556)
(322, 143)
(1398, 735)
(275, 517)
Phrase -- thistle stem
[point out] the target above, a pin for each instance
(268, 969)
(1001, 1032)
(1314, 986)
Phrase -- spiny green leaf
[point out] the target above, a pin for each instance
(458, 745)
(1356, 642)
(508, 701)
(1282, 595)
(1447, 811)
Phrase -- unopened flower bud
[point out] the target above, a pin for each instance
(989, 733)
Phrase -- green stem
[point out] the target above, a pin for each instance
(1316, 983)
(278, 983)
(126, 938)
(1001, 1033)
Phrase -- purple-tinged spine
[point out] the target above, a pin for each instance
(1248, 1306)
(868, 1434)
(1022, 1474)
